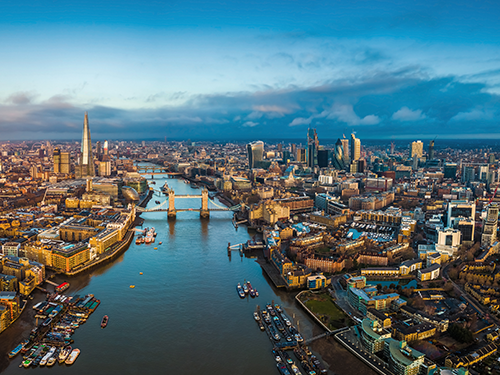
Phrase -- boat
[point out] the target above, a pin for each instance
(47, 356)
(139, 240)
(256, 293)
(104, 321)
(245, 288)
(17, 349)
(51, 361)
(72, 357)
(256, 315)
(63, 355)
(27, 363)
(241, 293)
(278, 308)
(132, 286)
(160, 243)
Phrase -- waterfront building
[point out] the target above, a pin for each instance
(402, 359)
(316, 282)
(429, 273)
(268, 212)
(70, 256)
(85, 166)
(9, 309)
(255, 152)
(8, 283)
(373, 335)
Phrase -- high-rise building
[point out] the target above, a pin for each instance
(431, 150)
(86, 166)
(345, 150)
(255, 151)
(416, 149)
(98, 150)
(323, 158)
(65, 163)
(301, 155)
(312, 148)
(355, 148)
(293, 150)
(56, 160)
(338, 156)
(468, 173)
(490, 223)
(392, 148)
(106, 151)
(450, 170)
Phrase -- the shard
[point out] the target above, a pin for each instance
(86, 166)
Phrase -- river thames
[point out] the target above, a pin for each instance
(184, 315)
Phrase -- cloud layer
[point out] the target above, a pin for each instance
(378, 105)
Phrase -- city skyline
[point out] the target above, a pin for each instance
(234, 72)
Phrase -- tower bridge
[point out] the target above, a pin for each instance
(169, 205)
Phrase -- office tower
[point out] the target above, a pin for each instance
(323, 158)
(431, 150)
(86, 164)
(143, 144)
(106, 151)
(286, 156)
(339, 155)
(56, 160)
(105, 166)
(355, 148)
(468, 173)
(280, 147)
(489, 234)
(293, 150)
(458, 210)
(98, 150)
(301, 155)
(392, 148)
(416, 149)
(65, 163)
(255, 151)
(450, 170)
(491, 158)
(483, 172)
(345, 149)
(312, 148)
(361, 165)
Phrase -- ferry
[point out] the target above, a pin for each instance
(17, 349)
(63, 355)
(104, 321)
(72, 357)
(241, 293)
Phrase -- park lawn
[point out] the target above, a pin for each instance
(323, 306)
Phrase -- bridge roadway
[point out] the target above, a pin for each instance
(187, 209)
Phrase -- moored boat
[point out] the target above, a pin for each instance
(63, 355)
(72, 357)
(241, 293)
(245, 288)
(47, 356)
(104, 321)
(256, 315)
(17, 349)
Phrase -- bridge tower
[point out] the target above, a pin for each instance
(204, 213)
(172, 213)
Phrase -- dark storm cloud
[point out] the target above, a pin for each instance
(380, 105)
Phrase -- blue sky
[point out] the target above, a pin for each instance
(249, 69)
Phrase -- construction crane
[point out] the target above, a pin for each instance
(43, 200)
(493, 196)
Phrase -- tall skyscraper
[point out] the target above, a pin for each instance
(323, 158)
(255, 151)
(416, 149)
(312, 148)
(98, 150)
(355, 148)
(392, 148)
(431, 150)
(345, 149)
(106, 146)
(86, 166)
(56, 160)
(339, 155)
(65, 166)
(489, 234)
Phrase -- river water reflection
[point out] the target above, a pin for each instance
(184, 315)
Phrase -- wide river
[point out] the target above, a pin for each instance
(184, 315)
